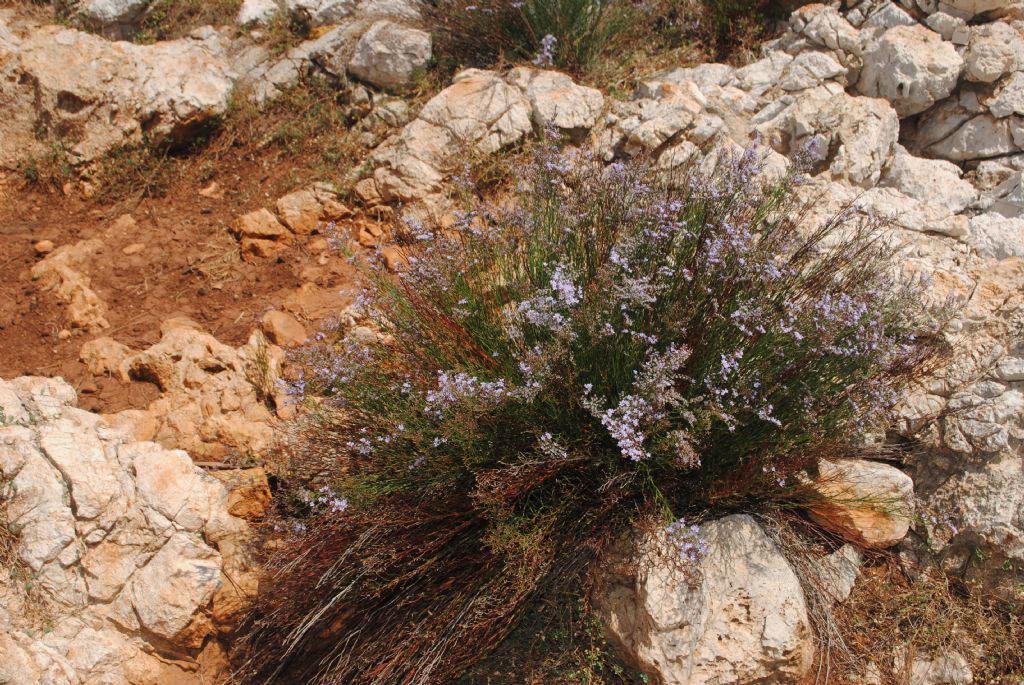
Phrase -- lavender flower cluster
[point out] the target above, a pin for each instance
(686, 539)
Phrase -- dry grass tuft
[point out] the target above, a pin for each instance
(925, 617)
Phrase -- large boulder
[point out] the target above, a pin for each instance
(736, 616)
(94, 94)
(557, 100)
(132, 550)
(911, 67)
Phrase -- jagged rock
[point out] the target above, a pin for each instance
(853, 136)
(557, 100)
(823, 26)
(838, 572)
(104, 356)
(322, 12)
(912, 214)
(97, 94)
(107, 563)
(665, 121)
(997, 236)
(261, 234)
(995, 49)
(479, 111)
(211, 401)
(738, 617)
(248, 491)
(1007, 198)
(1009, 99)
(932, 181)
(868, 503)
(952, 132)
(61, 273)
(758, 77)
(810, 69)
(945, 25)
(911, 67)
(389, 54)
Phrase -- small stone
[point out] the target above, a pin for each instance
(370, 233)
(395, 259)
(283, 329)
(213, 191)
(300, 211)
(260, 224)
(105, 356)
(133, 249)
(43, 247)
(64, 334)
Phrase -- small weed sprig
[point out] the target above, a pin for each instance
(612, 350)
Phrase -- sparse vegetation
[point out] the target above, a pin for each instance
(615, 350)
(171, 19)
(570, 34)
(929, 616)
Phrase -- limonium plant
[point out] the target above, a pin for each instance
(609, 350)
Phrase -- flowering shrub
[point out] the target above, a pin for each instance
(569, 34)
(611, 350)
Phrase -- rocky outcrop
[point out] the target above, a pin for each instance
(479, 112)
(136, 563)
(736, 616)
(63, 273)
(216, 399)
(94, 94)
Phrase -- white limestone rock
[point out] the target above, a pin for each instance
(853, 137)
(1009, 98)
(911, 67)
(257, 12)
(932, 181)
(80, 499)
(557, 100)
(739, 617)
(994, 50)
(102, 94)
(389, 54)
(480, 111)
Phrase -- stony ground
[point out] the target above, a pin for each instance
(165, 297)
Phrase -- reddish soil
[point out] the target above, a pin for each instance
(189, 265)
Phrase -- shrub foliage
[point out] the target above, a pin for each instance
(570, 34)
(613, 349)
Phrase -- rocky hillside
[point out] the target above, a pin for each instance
(150, 311)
